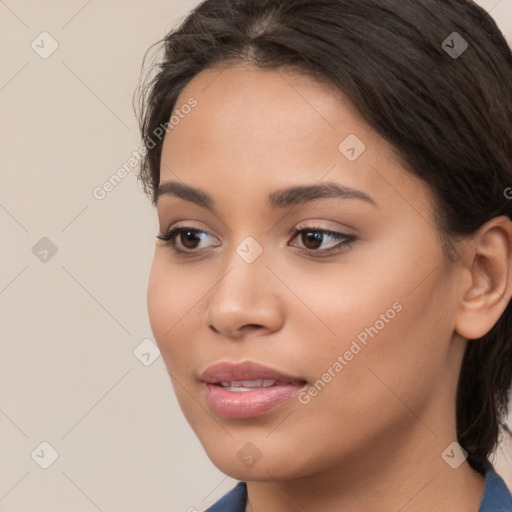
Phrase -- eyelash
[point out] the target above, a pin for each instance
(346, 240)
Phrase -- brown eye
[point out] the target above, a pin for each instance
(188, 239)
(313, 237)
(312, 240)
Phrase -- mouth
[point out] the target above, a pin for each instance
(237, 386)
(246, 390)
(249, 372)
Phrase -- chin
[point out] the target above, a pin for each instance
(245, 462)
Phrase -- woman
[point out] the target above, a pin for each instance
(331, 281)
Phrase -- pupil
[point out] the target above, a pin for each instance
(313, 237)
(191, 236)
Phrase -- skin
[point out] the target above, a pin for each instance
(372, 438)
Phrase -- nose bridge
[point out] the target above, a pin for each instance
(246, 271)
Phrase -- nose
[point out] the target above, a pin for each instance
(245, 300)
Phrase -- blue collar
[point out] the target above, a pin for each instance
(496, 497)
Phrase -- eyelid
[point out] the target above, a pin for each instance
(345, 239)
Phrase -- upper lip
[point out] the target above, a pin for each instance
(247, 370)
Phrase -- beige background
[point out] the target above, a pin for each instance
(70, 323)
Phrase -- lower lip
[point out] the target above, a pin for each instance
(248, 404)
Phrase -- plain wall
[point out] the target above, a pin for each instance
(70, 321)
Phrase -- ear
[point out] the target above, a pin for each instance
(489, 263)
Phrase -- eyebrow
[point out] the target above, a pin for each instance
(282, 198)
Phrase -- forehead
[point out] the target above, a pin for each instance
(257, 130)
(243, 107)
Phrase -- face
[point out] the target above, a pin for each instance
(360, 303)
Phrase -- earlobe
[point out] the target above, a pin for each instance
(489, 262)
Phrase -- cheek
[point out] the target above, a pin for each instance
(172, 297)
(161, 306)
(390, 326)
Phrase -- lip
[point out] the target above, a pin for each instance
(247, 370)
(248, 404)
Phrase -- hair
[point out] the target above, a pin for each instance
(447, 116)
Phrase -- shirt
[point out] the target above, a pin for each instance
(496, 498)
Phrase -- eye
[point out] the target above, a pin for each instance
(313, 238)
(187, 236)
